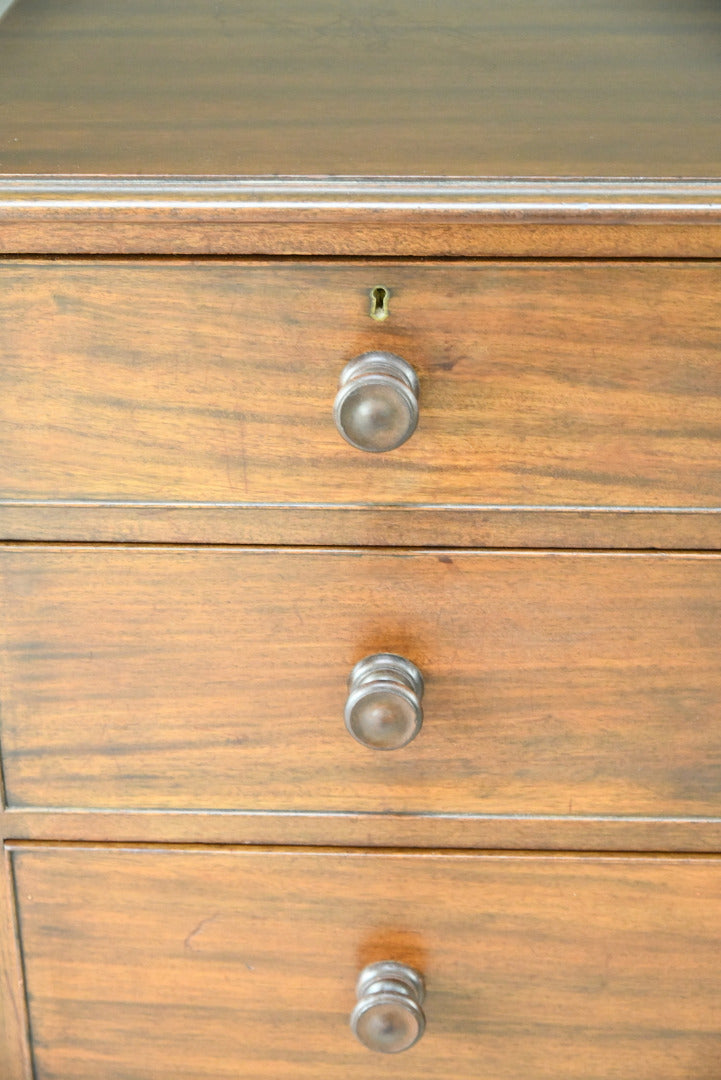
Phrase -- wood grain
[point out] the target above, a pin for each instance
(501, 832)
(440, 526)
(194, 695)
(548, 384)
(241, 964)
(348, 201)
(212, 678)
(442, 216)
(70, 232)
(182, 87)
(14, 1045)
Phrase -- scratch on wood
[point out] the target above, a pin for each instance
(198, 929)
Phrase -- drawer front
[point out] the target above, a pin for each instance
(216, 678)
(242, 963)
(541, 384)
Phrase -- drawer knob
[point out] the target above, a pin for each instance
(384, 710)
(388, 1016)
(376, 408)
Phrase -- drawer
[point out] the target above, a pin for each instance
(216, 678)
(541, 383)
(242, 963)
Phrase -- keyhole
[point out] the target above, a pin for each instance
(379, 303)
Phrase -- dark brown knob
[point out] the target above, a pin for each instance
(376, 408)
(388, 1017)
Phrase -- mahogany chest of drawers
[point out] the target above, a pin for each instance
(360, 548)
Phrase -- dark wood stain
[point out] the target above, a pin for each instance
(157, 699)
(600, 527)
(503, 832)
(362, 88)
(574, 383)
(126, 231)
(556, 684)
(600, 967)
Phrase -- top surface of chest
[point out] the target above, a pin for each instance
(537, 88)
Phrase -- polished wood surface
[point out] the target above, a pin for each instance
(387, 216)
(241, 964)
(577, 684)
(14, 1045)
(395, 89)
(502, 832)
(180, 392)
(182, 230)
(599, 527)
(551, 384)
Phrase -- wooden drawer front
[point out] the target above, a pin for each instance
(242, 963)
(215, 678)
(540, 384)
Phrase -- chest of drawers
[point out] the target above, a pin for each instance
(245, 249)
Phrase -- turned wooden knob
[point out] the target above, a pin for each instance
(388, 1017)
(384, 710)
(376, 408)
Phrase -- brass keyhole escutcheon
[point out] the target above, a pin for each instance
(380, 297)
